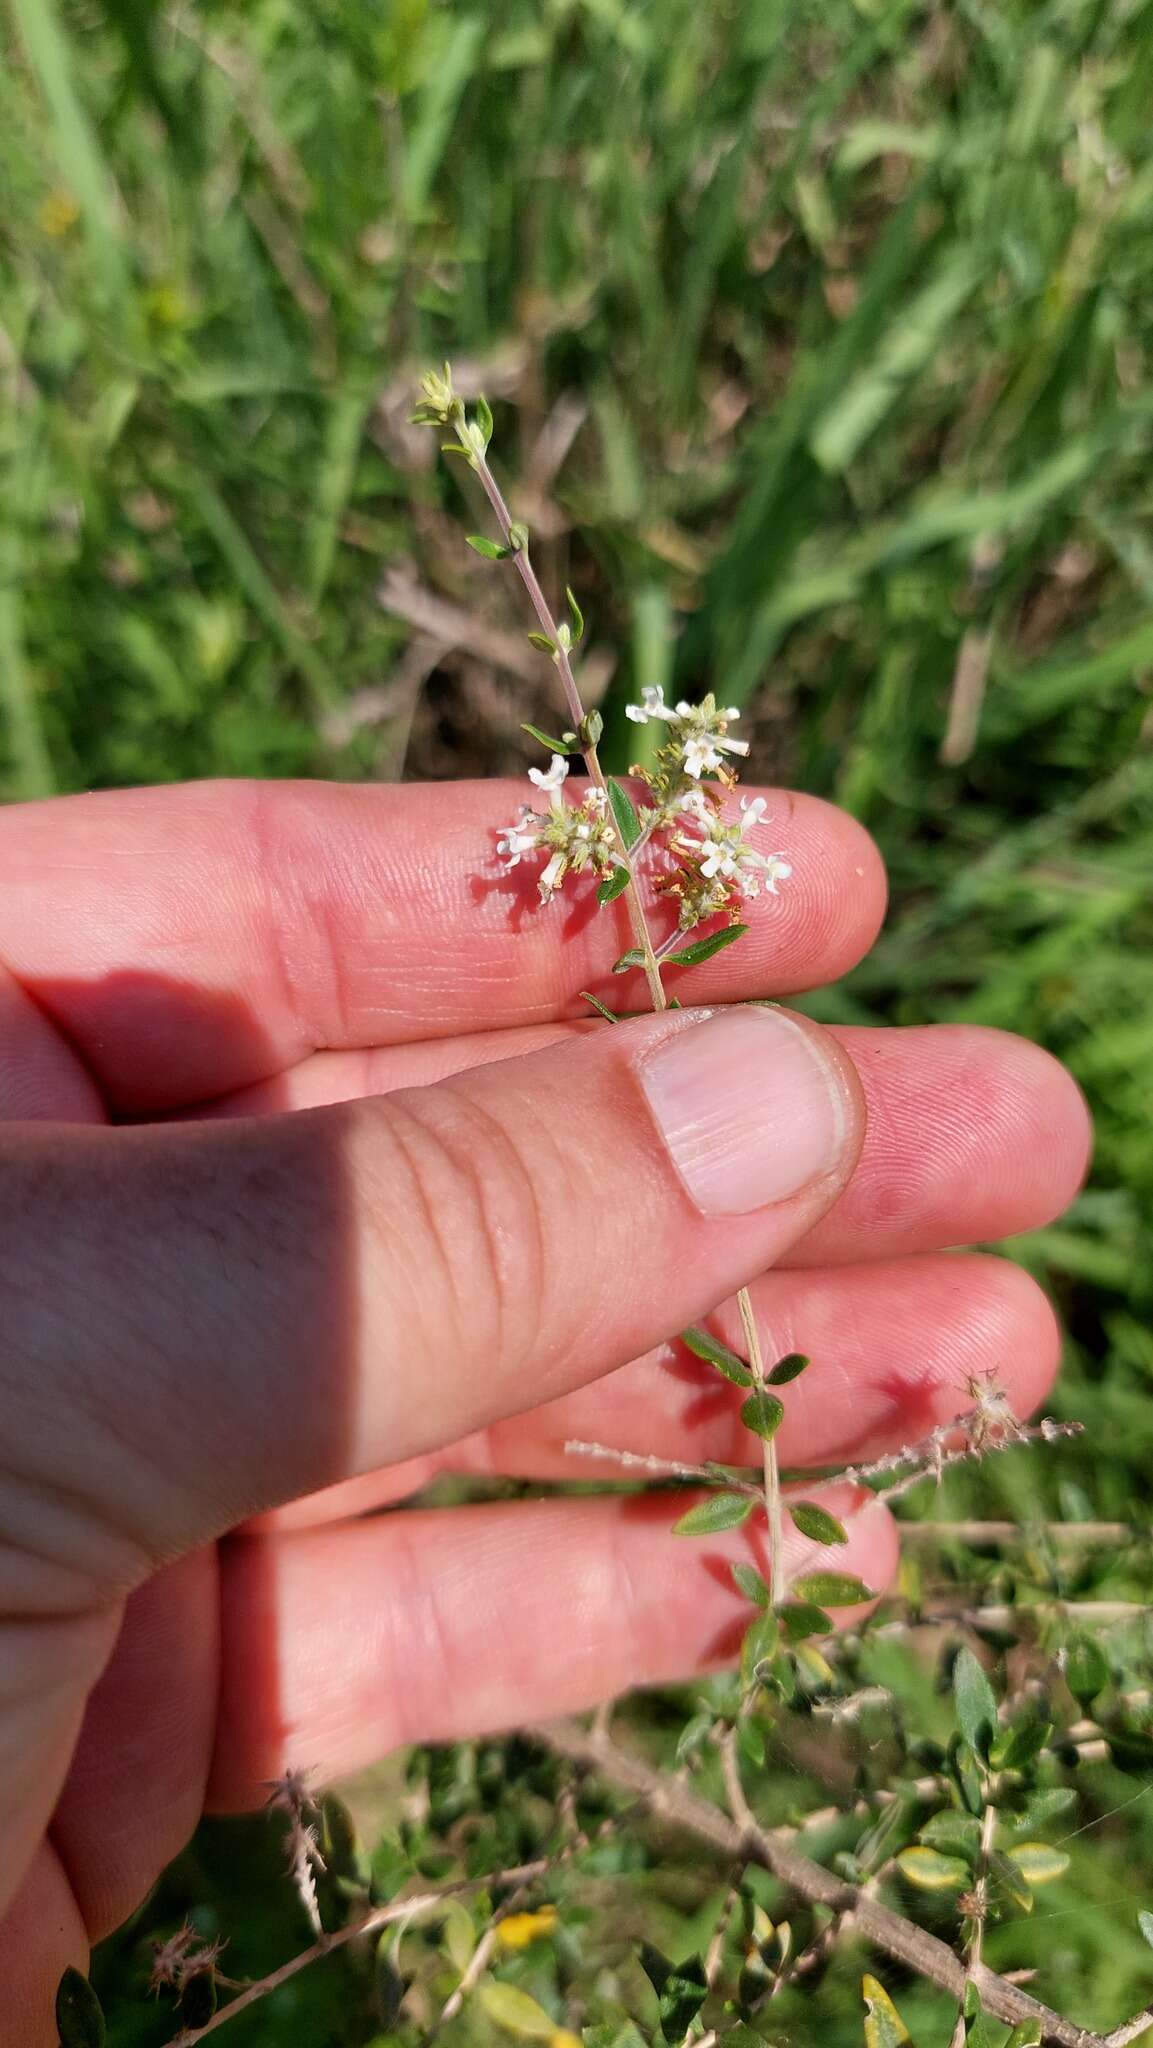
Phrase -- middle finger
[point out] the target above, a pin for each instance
(972, 1134)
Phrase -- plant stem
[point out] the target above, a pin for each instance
(637, 920)
(979, 1914)
(769, 1463)
(576, 711)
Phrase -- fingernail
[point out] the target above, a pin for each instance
(749, 1107)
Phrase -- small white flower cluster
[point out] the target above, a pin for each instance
(698, 733)
(575, 836)
(720, 866)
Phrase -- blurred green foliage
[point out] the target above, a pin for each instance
(838, 313)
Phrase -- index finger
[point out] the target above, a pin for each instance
(197, 939)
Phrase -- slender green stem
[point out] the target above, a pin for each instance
(770, 1465)
(979, 1912)
(641, 934)
(528, 576)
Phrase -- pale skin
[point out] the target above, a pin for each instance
(229, 1332)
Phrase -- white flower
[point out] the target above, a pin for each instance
(700, 757)
(551, 777)
(699, 730)
(723, 853)
(518, 839)
(652, 705)
(552, 876)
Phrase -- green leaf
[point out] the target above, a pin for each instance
(975, 1700)
(458, 1933)
(633, 958)
(79, 2013)
(800, 1618)
(832, 1589)
(513, 2009)
(1044, 1807)
(1086, 1669)
(1016, 1747)
(762, 1640)
(884, 2027)
(602, 1009)
(763, 1414)
(788, 1368)
(624, 813)
(750, 1583)
(681, 1990)
(880, 1842)
(542, 641)
(1026, 2035)
(1145, 1923)
(931, 1870)
(547, 741)
(1012, 1880)
(1038, 1863)
(484, 419)
(816, 1523)
(719, 1511)
(517, 536)
(958, 1834)
(703, 949)
(592, 726)
(702, 1345)
(613, 886)
(578, 617)
(481, 545)
(341, 1850)
(751, 1742)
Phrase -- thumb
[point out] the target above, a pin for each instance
(205, 1321)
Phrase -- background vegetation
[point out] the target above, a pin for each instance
(821, 332)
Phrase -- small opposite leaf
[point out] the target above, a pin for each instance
(702, 1345)
(788, 1368)
(1038, 1863)
(624, 813)
(932, 1871)
(484, 419)
(1086, 1671)
(976, 1702)
(959, 1834)
(750, 1583)
(79, 2013)
(481, 545)
(602, 1009)
(592, 726)
(1027, 2035)
(816, 1523)
(692, 956)
(633, 958)
(763, 1414)
(578, 617)
(1012, 1880)
(514, 2010)
(832, 1589)
(613, 886)
(546, 740)
(884, 2027)
(800, 1619)
(517, 536)
(719, 1511)
(542, 641)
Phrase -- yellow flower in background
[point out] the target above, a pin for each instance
(522, 1928)
(58, 214)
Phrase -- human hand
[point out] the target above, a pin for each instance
(227, 1332)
